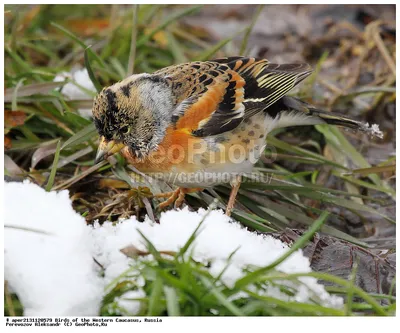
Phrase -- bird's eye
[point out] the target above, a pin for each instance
(126, 129)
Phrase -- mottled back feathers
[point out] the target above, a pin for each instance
(229, 90)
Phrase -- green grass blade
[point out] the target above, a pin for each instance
(132, 51)
(251, 220)
(192, 237)
(78, 41)
(221, 297)
(316, 193)
(274, 142)
(302, 309)
(208, 54)
(296, 246)
(172, 301)
(83, 135)
(170, 19)
(14, 106)
(336, 280)
(338, 140)
(249, 29)
(350, 292)
(176, 49)
(53, 171)
(90, 71)
(155, 296)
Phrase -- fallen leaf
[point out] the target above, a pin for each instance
(113, 183)
(14, 118)
(377, 169)
(42, 152)
(7, 142)
(159, 37)
(133, 252)
(29, 17)
(12, 168)
(88, 27)
(31, 89)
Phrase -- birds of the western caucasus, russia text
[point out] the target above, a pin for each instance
(199, 124)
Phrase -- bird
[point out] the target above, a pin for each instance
(203, 123)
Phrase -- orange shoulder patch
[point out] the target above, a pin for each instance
(204, 107)
(201, 111)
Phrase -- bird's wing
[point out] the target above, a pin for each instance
(213, 97)
(209, 97)
(266, 83)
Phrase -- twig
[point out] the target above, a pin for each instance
(38, 231)
(98, 264)
(350, 27)
(374, 31)
(330, 86)
(76, 178)
(388, 83)
(356, 75)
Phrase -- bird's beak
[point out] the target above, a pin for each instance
(107, 148)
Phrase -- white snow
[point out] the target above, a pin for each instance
(73, 92)
(217, 240)
(56, 275)
(128, 301)
(376, 131)
(372, 130)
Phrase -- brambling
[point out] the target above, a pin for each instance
(199, 124)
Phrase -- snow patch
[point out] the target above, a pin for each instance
(49, 253)
(47, 258)
(73, 92)
(372, 130)
(218, 238)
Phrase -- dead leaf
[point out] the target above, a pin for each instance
(42, 152)
(12, 168)
(7, 142)
(14, 118)
(133, 252)
(31, 89)
(113, 183)
(377, 169)
(88, 27)
(29, 17)
(159, 37)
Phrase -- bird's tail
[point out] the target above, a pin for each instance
(304, 114)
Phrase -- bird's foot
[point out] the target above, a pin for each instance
(177, 197)
(232, 198)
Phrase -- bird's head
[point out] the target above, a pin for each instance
(133, 113)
